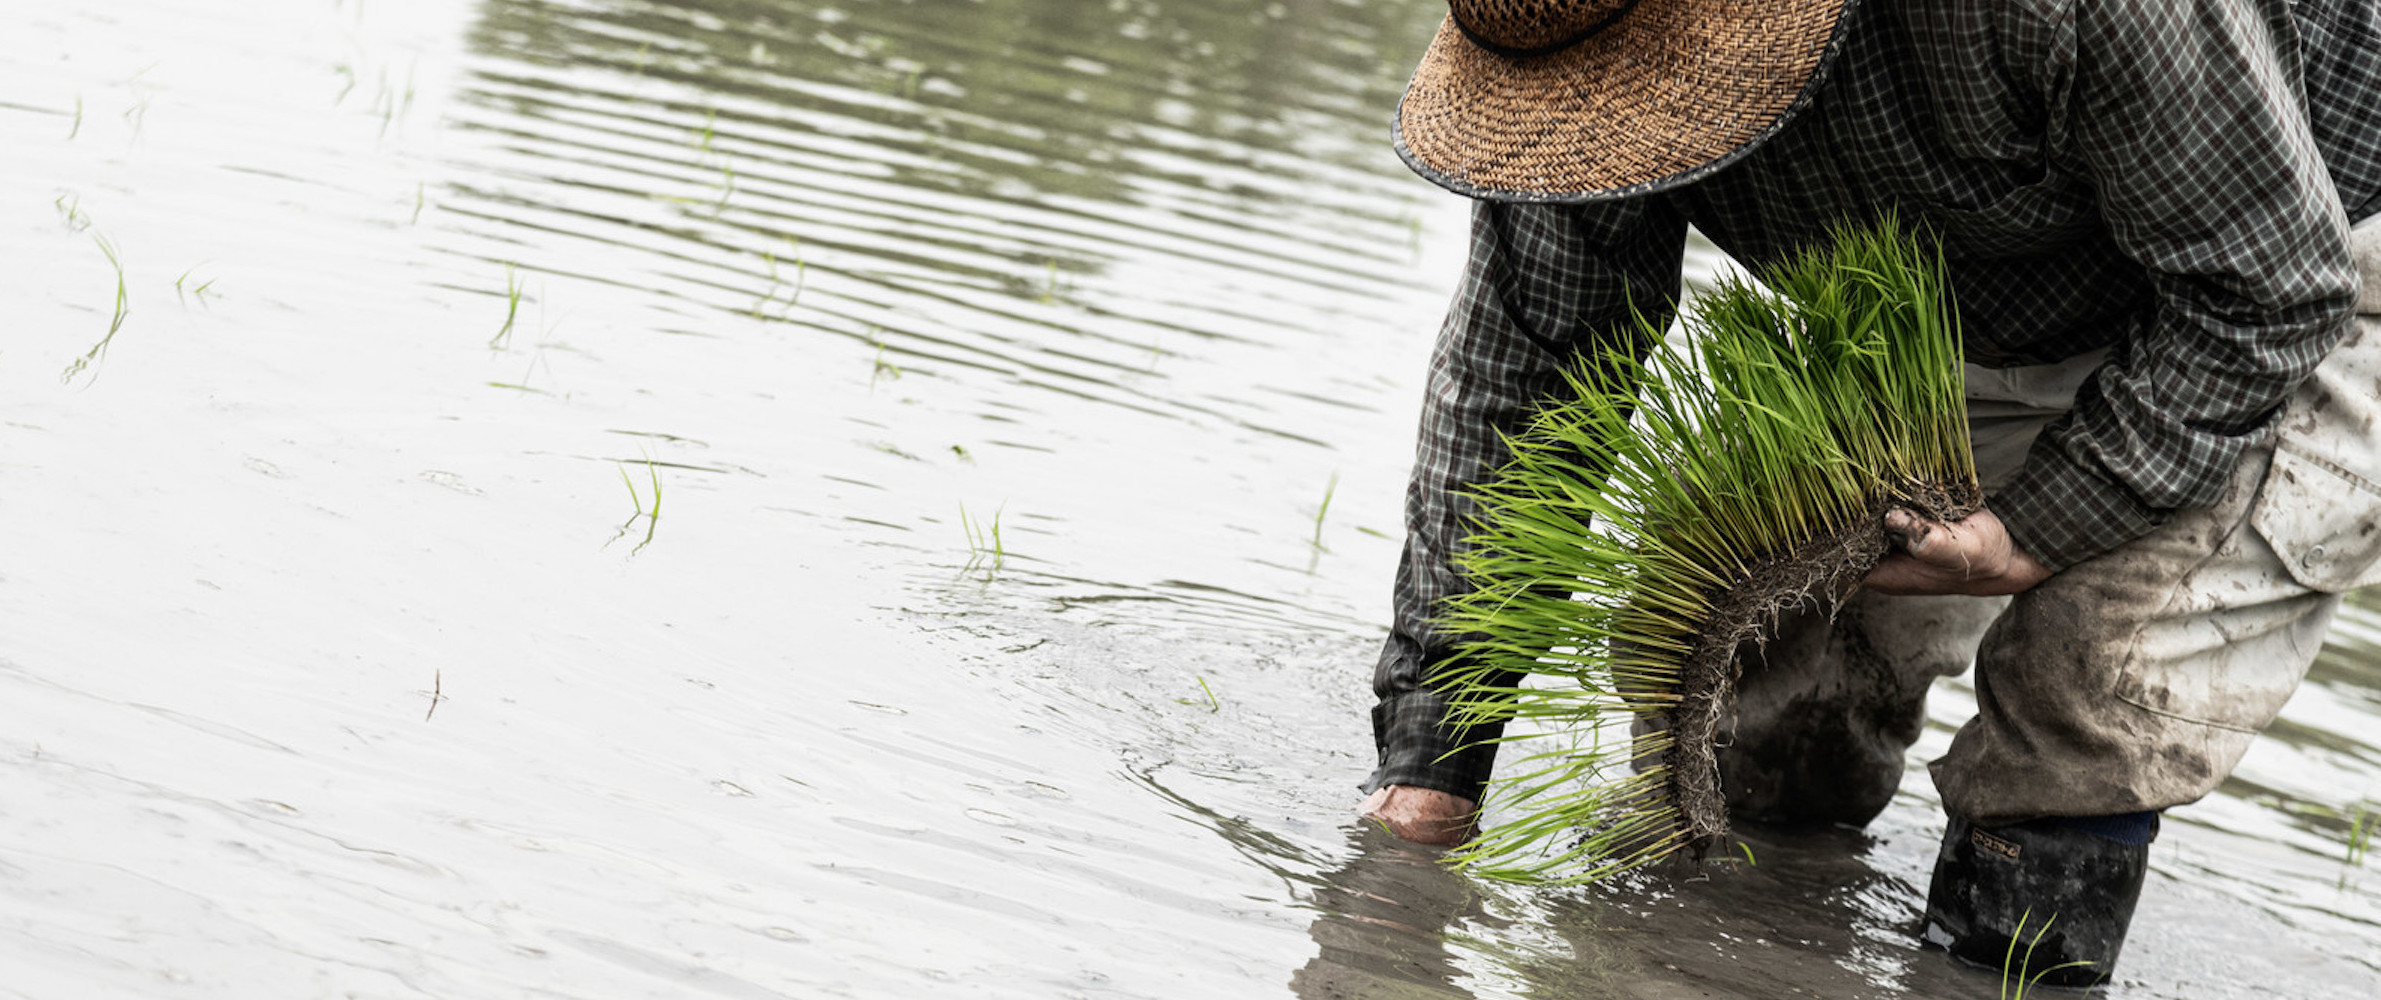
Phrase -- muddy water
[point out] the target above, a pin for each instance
(780, 498)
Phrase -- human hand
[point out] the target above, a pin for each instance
(1421, 815)
(1973, 555)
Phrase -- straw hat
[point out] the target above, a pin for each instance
(1586, 100)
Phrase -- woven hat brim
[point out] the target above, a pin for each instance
(1674, 90)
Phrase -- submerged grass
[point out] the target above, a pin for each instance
(1664, 511)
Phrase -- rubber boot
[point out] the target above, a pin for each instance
(2046, 901)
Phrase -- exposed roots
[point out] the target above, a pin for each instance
(1823, 570)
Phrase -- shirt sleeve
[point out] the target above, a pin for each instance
(2187, 118)
(1544, 283)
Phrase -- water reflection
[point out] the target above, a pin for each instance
(1381, 924)
(1814, 919)
(1049, 196)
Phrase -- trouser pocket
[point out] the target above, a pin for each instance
(2235, 629)
(2320, 507)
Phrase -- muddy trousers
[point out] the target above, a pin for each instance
(2132, 681)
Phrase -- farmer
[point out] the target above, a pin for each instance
(2146, 210)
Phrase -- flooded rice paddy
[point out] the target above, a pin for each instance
(775, 498)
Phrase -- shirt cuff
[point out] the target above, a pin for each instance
(1417, 748)
(2063, 512)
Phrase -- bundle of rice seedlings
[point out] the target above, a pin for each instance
(1663, 512)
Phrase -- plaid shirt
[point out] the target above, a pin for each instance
(2170, 179)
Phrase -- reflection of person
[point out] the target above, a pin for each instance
(2145, 208)
(1380, 924)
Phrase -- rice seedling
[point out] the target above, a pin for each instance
(1663, 511)
(123, 308)
(1212, 704)
(523, 385)
(2015, 968)
(77, 128)
(727, 186)
(420, 197)
(880, 369)
(70, 211)
(801, 279)
(1322, 510)
(2361, 822)
(512, 309)
(199, 291)
(650, 513)
(984, 548)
